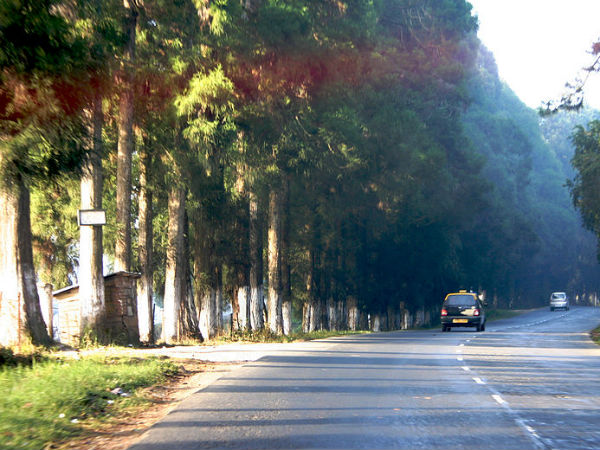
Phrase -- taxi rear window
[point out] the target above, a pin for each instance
(461, 300)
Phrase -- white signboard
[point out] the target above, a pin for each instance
(91, 217)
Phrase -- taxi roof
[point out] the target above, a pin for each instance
(461, 292)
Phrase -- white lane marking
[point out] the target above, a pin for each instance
(499, 399)
(531, 430)
(537, 441)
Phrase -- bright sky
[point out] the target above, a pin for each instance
(540, 45)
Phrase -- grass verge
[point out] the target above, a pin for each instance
(266, 336)
(595, 335)
(46, 402)
(497, 314)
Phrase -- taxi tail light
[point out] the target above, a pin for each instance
(476, 312)
(444, 312)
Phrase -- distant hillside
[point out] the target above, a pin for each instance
(527, 163)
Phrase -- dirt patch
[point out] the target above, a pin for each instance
(123, 431)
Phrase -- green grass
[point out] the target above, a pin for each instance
(47, 402)
(595, 335)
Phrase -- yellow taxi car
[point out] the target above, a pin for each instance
(462, 309)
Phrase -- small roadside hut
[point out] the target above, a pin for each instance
(120, 322)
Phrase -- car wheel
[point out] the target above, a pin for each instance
(478, 328)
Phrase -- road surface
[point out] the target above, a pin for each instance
(530, 382)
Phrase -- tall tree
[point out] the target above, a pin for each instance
(126, 140)
(145, 284)
(175, 282)
(41, 98)
(274, 300)
(256, 266)
(91, 279)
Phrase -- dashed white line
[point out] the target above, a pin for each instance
(499, 399)
(536, 439)
(531, 430)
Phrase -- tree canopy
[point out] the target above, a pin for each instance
(363, 158)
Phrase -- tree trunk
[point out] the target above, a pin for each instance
(286, 287)
(210, 321)
(125, 144)
(313, 310)
(91, 277)
(331, 314)
(376, 322)
(242, 297)
(341, 315)
(205, 277)
(20, 314)
(255, 252)
(218, 307)
(241, 290)
(47, 308)
(353, 313)
(175, 273)
(274, 269)
(188, 318)
(145, 236)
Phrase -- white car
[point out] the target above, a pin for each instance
(559, 300)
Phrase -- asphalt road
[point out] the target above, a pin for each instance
(530, 382)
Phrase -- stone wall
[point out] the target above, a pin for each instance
(120, 294)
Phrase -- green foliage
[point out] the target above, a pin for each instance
(585, 186)
(55, 231)
(43, 86)
(9, 359)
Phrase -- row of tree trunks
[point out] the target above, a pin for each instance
(345, 314)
